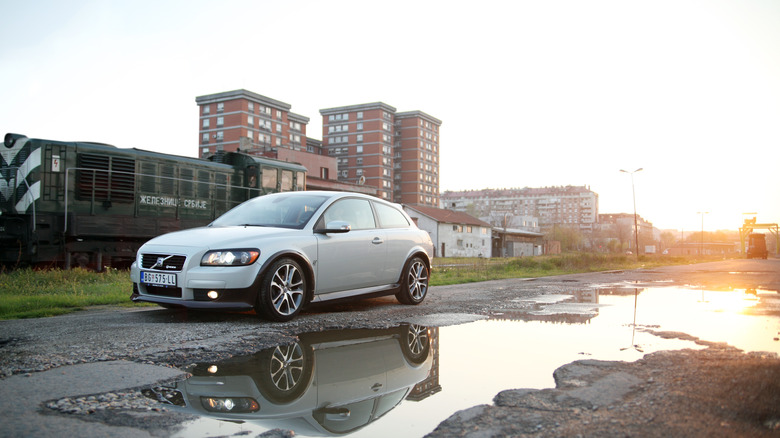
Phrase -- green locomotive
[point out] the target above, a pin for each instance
(92, 205)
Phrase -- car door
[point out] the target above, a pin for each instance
(399, 239)
(351, 260)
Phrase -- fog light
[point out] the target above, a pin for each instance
(213, 294)
(213, 369)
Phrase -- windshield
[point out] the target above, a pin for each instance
(283, 210)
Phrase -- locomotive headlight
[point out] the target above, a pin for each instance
(230, 257)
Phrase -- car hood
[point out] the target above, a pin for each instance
(220, 237)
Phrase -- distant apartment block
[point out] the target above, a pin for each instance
(396, 152)
(567, 205)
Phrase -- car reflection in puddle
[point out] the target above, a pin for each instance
(327, 383)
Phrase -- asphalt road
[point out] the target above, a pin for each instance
(110, 349)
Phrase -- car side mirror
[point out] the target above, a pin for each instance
(335, 227)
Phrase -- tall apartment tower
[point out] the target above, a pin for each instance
(397, 153)
(248, 121)
(416, 158)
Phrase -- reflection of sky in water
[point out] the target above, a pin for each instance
(521, 348)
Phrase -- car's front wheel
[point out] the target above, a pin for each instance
(282, 291)
(414, 283)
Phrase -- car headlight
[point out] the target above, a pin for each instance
(230, 404)
(230, 257)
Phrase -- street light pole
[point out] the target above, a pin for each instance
(701, 245)
(636, 227)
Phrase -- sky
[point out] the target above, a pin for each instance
(530, 93)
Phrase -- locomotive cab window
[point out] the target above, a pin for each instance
(270, 178)
(251, 177)
(287, 180)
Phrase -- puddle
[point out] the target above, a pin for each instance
(406, 380)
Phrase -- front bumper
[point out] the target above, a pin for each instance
(236, 288)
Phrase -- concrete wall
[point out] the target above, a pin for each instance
(463, 243)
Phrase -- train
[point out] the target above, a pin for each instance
(67, 204)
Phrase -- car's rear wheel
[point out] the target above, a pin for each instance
(414, 284)
(282, 291)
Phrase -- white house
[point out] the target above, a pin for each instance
(454, 234)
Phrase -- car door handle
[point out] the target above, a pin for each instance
(377, 241)
(376, 387)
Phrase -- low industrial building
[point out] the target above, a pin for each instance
(454, 233)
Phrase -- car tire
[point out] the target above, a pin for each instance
(282, 291)
(415, 343)
(414, 282)
(285, 372)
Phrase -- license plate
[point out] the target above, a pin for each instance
(158, 279)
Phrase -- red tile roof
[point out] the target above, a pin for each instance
(448, 216)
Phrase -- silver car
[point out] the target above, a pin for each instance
(278, 252)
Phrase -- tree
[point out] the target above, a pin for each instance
(667, 240)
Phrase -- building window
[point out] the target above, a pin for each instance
(251, 107)
(220, 107)
(205, 123)
(205, 137)
(220, 121)
(206, 109)
(360, 115)
(359, 149)
(220, 135)
(250, 120)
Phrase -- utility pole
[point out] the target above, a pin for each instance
(636, 227)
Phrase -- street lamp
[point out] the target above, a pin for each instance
(633, 193)
(701, 245)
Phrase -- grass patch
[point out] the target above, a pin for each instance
(27, 293)
(467, 270)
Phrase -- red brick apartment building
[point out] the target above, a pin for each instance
(258, 125)
(398, 153)
(369, 148)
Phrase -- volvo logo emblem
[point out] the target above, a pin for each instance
(160, 261)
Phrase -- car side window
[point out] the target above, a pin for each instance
(390, 217)
(356, 212)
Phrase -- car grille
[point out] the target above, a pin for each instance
(170, 292)
(169, 263)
